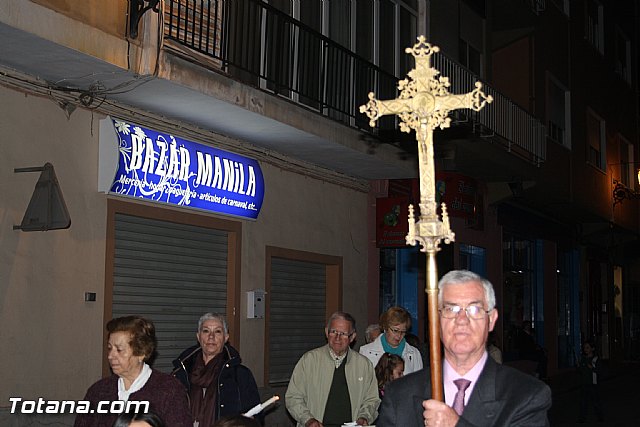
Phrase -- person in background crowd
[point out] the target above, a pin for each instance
(332, 385)
(412, 339)
(148, 419)
(530, 350)
(395, 323)
(371, 333)
(493, 349)
(389, 368)
(212, 371)
(237, 421)
(477, 391)
(589, 370)
(423, 348)
(131, 342)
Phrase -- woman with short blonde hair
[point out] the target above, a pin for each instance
(395, 323)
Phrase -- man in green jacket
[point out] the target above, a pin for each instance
(333, 385)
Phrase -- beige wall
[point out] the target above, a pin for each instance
(303, 214)
(109, 16)
(52, 339)
(96, 27)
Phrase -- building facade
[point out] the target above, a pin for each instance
(267, 84)
(543, 181)
(540, 184)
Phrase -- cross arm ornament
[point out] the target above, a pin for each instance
(375, 108)
(416, 108)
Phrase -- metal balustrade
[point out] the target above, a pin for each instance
(261, 46)
(520, 131)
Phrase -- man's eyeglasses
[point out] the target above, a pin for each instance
(396, 331)
(340, 334)
(473, 311)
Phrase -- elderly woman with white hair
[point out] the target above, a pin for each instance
(212, 371)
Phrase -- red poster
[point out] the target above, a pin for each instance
(460, 194)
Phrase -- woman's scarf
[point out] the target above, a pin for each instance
(393, 350)
(204, 390)
(137, 384)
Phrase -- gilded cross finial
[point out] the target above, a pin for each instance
(422, 48)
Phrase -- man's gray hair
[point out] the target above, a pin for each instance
(458, 277)
(344, 316)
(371, 328)
(213, 316)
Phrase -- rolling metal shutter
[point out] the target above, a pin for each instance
(297, 314)
(170, 273)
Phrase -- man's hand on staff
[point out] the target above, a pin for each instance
(438, 414)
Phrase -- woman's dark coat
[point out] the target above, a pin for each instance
(237, 389)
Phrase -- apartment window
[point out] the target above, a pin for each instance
(340, 22)
(309, 48)
(479, 6)
(282, 5)
(568, 306)
(473, 258)
(520, 293)
(470, 57)
(397, 27)
(594, 25)
(364, 30)
(387, 46)
(623, 56)
(408, 29)
(558, 113)
(596, 144)
(627, 164)
(377, 31)
(563, 5)
(311, 14)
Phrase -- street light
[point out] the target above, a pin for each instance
(621, 191)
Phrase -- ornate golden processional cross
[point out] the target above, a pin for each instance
(424, 105)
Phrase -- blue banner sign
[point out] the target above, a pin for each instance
(140, 162)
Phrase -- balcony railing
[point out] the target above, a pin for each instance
(518, 130)
(264, 47)
(259, 45)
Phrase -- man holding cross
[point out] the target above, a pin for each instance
(477, 390)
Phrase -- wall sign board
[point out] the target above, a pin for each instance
(139, 162)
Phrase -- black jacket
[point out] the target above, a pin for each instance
(501, 397)
(237, 389)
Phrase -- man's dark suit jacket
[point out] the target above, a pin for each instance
(502, 396)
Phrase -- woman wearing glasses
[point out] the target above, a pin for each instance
(395, 323)
(212, 371)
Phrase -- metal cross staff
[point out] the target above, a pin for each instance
(423, 105)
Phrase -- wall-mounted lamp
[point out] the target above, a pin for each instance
(137, 8)
(622, 192)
